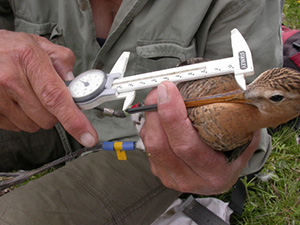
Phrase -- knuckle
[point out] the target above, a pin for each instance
(32, 129)
(151, 98)
(185, 185)
(24, 53)
(72, 124)
(184, 188)
(148, 142)
(169, 184)
(185, 152)
(154, 146)
(63, 54)
(49, 124)
(68, 54)
(7, 80)
(52, 96)
(151, 142)
(26, 58)
(56, 52)
(142, 132)
(217, 184)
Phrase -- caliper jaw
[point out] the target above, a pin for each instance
(120, 68)
(242, 58)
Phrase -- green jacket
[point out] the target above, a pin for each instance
(158, 34)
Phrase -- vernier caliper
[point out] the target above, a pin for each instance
(93, 87)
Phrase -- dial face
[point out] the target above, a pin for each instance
(87, 85)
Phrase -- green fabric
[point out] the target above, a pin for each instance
(158, 34)
(90, 190)
(21, 150)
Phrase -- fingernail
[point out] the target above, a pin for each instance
(162, 94)
(69, 76)
(87, 140)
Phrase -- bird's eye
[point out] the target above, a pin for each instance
(276, 98)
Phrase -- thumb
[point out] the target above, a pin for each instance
(173, 114)
(170, 102)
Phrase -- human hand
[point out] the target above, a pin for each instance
(178, 156)
(32, 92)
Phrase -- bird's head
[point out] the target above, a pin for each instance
(276, 93)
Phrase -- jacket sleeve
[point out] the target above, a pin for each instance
(260, 23)
(6, 16)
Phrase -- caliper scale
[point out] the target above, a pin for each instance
(92, 88)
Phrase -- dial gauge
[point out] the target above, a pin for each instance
(87, 85)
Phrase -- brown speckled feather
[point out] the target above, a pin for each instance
(229, 126)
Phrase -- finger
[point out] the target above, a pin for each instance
(14, 115)
(5, 124)
(37, 113)
(154, 137)
(57, 100)
(167, 180)
(181, 134)
(17, 91)
(242, 161)
(176, 178)
(160, 140)
(173, 114)
(164, 163)
(63, 59)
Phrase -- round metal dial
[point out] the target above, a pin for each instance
(87, 85)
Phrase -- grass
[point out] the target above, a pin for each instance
(291, 11)
(274, 198)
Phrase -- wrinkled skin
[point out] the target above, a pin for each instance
(32, 92)
(178, 156)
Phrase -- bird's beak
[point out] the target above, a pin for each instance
(228, 97)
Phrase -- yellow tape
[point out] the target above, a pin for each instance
(121, 155)
(119, 150)
(118, 145)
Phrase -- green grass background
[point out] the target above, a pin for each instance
(291, 13)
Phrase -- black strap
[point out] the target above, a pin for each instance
(199, 213)
(239, 194)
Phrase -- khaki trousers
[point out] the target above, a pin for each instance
(94, 189)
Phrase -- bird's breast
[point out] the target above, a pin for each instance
(223, 126)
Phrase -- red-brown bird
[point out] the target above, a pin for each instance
(229, 116)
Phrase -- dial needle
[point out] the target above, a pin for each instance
(85, 83)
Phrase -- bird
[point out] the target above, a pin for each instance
(228, 116)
